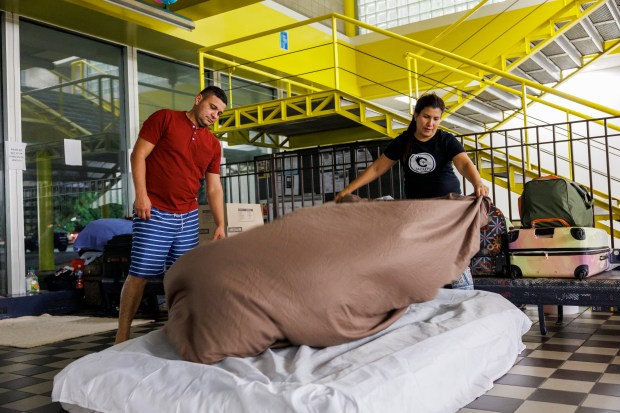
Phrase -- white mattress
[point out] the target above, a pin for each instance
(438, 357)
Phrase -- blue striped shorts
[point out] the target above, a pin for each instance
(158, 242)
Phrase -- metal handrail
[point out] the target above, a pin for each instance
(484, 69)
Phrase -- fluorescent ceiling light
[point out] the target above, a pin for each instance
(65, 60)
(156, 13)
(404, 99)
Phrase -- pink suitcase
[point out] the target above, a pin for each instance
(568, 252)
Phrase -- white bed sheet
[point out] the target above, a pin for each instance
(438, 357)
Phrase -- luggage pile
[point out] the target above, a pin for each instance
(557, 237)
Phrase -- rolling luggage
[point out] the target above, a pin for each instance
(492, 259)
(577, 252)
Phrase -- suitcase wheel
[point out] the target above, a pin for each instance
(578, 233)
(515, 272)
(512, 236)
(581, 272)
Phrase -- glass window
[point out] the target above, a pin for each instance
(72, 112)
(246, 93)
(165, 84)
(4, 283)
(416, 10)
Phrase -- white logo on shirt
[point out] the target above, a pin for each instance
(422, 163)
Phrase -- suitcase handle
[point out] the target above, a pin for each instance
(577, 233)
(544, 232)
(542, 220)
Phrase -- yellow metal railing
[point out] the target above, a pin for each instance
(484, 75)
(78, 72)
(479, 76)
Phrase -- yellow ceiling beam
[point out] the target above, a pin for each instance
(334, 137)
(481, 39)
(313, 53)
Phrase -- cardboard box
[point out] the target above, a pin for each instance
(237, 218)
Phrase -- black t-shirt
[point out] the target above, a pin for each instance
(428, 165)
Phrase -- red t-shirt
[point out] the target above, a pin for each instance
(180, 159)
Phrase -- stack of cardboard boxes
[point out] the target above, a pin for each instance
(237, 218)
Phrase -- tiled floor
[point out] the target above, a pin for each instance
(574, 369)
(26, 375)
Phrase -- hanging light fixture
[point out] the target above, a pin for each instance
(162, 14)
(166, 3)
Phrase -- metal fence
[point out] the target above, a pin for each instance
(585, 151)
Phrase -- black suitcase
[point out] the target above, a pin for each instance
(117, 258)
(116, 262)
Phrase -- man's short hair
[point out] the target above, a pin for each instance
(214, 90)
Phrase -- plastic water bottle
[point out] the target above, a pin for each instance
(35, 288)
(29, 279)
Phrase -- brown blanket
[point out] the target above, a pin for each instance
(320, 276)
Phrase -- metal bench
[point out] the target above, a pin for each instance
(599, 290)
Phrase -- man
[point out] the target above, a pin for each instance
(174, 152)
(427, 155)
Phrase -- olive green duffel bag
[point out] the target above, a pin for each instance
(553, 201)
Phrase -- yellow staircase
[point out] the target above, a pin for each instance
(290, 123)
(339, 105)
(279, 123)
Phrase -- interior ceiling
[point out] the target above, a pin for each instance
(104, 20)
(200, 9)
(122, 27)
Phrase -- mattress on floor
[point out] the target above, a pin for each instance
(438, 357)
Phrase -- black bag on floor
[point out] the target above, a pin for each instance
(116, 258)
(492, 259)
(63, 279)
(115, 268)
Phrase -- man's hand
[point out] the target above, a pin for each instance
(219, 233)
(142, 207)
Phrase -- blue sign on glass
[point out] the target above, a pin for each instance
(284, 40)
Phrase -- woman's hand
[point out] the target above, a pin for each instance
(480, 189)
(341, 196)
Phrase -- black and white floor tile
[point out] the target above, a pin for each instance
(26, 375)
(575, 368)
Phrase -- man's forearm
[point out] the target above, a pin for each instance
(216, 203)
